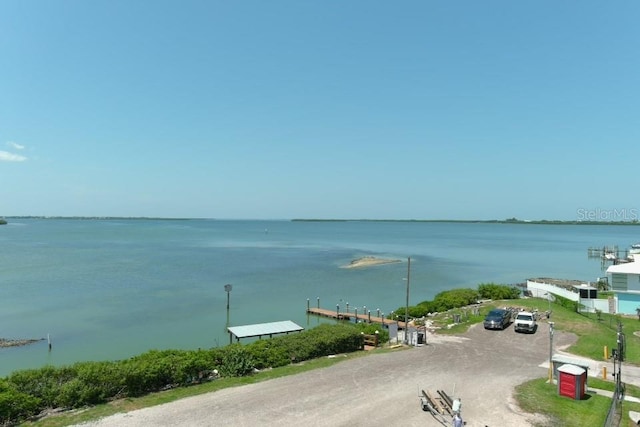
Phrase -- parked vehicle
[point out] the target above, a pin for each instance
(525, 322)
(498, 318)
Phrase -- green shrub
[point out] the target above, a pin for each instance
(43, 384)
(566, 303)
(372, 328)
(236, 361)
(16, 406)
(456, 298)
(498, 292)
(268, 353)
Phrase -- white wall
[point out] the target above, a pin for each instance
(539, 289)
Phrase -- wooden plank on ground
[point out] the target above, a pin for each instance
(446, 398)
(436, 403)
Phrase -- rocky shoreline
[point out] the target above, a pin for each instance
(369, 261)
(4, 342)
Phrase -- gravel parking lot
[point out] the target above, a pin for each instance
(481, 367)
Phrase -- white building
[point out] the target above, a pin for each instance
(625, 283)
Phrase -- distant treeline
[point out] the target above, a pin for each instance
(461, 221)
(101, 217)
(481, 221)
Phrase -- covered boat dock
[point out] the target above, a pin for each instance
(262, 329)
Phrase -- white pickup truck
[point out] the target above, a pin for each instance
(525, 322)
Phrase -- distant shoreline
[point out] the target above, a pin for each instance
(479, 221)
(453, 221)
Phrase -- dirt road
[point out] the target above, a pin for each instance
(481, 367)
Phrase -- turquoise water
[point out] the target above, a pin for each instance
(110, 289)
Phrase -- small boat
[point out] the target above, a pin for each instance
(3, 221)
(635, 249)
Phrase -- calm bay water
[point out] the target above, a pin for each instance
(110, 289)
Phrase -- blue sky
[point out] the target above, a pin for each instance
(320, 109)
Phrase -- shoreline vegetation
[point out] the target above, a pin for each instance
(458, 221)
(369, 261)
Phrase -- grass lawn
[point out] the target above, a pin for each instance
(538, 394)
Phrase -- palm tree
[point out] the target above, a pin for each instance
(602, 285)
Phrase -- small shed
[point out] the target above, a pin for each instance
(572, 381)
(263, 329)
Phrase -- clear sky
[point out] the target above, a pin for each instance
(320, 109)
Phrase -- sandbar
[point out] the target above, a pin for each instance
(4, 342)
(369, 261)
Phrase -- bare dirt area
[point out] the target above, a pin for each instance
(481, 367)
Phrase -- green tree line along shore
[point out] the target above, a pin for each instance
(464, 221)
(483, 221)
(27, 394)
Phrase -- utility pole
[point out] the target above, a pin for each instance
(550, 352)
(619, 356)
(406, 308)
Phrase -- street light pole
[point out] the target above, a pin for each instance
(227, 289)
(406, 308)
(548, 295)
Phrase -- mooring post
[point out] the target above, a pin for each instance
(49, 341)
(337, 311)
(307, 305)
(347, 308)
(378, 312)
(369, 314)
(318, 298)
(356, 313)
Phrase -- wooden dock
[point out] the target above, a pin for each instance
(335, 314)
(609, 252)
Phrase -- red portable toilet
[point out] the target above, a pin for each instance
(572, 381)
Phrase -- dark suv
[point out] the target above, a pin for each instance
(497, 318)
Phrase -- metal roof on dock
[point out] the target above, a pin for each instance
(260, 329)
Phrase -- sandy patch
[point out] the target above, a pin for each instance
(369, 261)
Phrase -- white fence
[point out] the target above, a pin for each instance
(548, 290)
